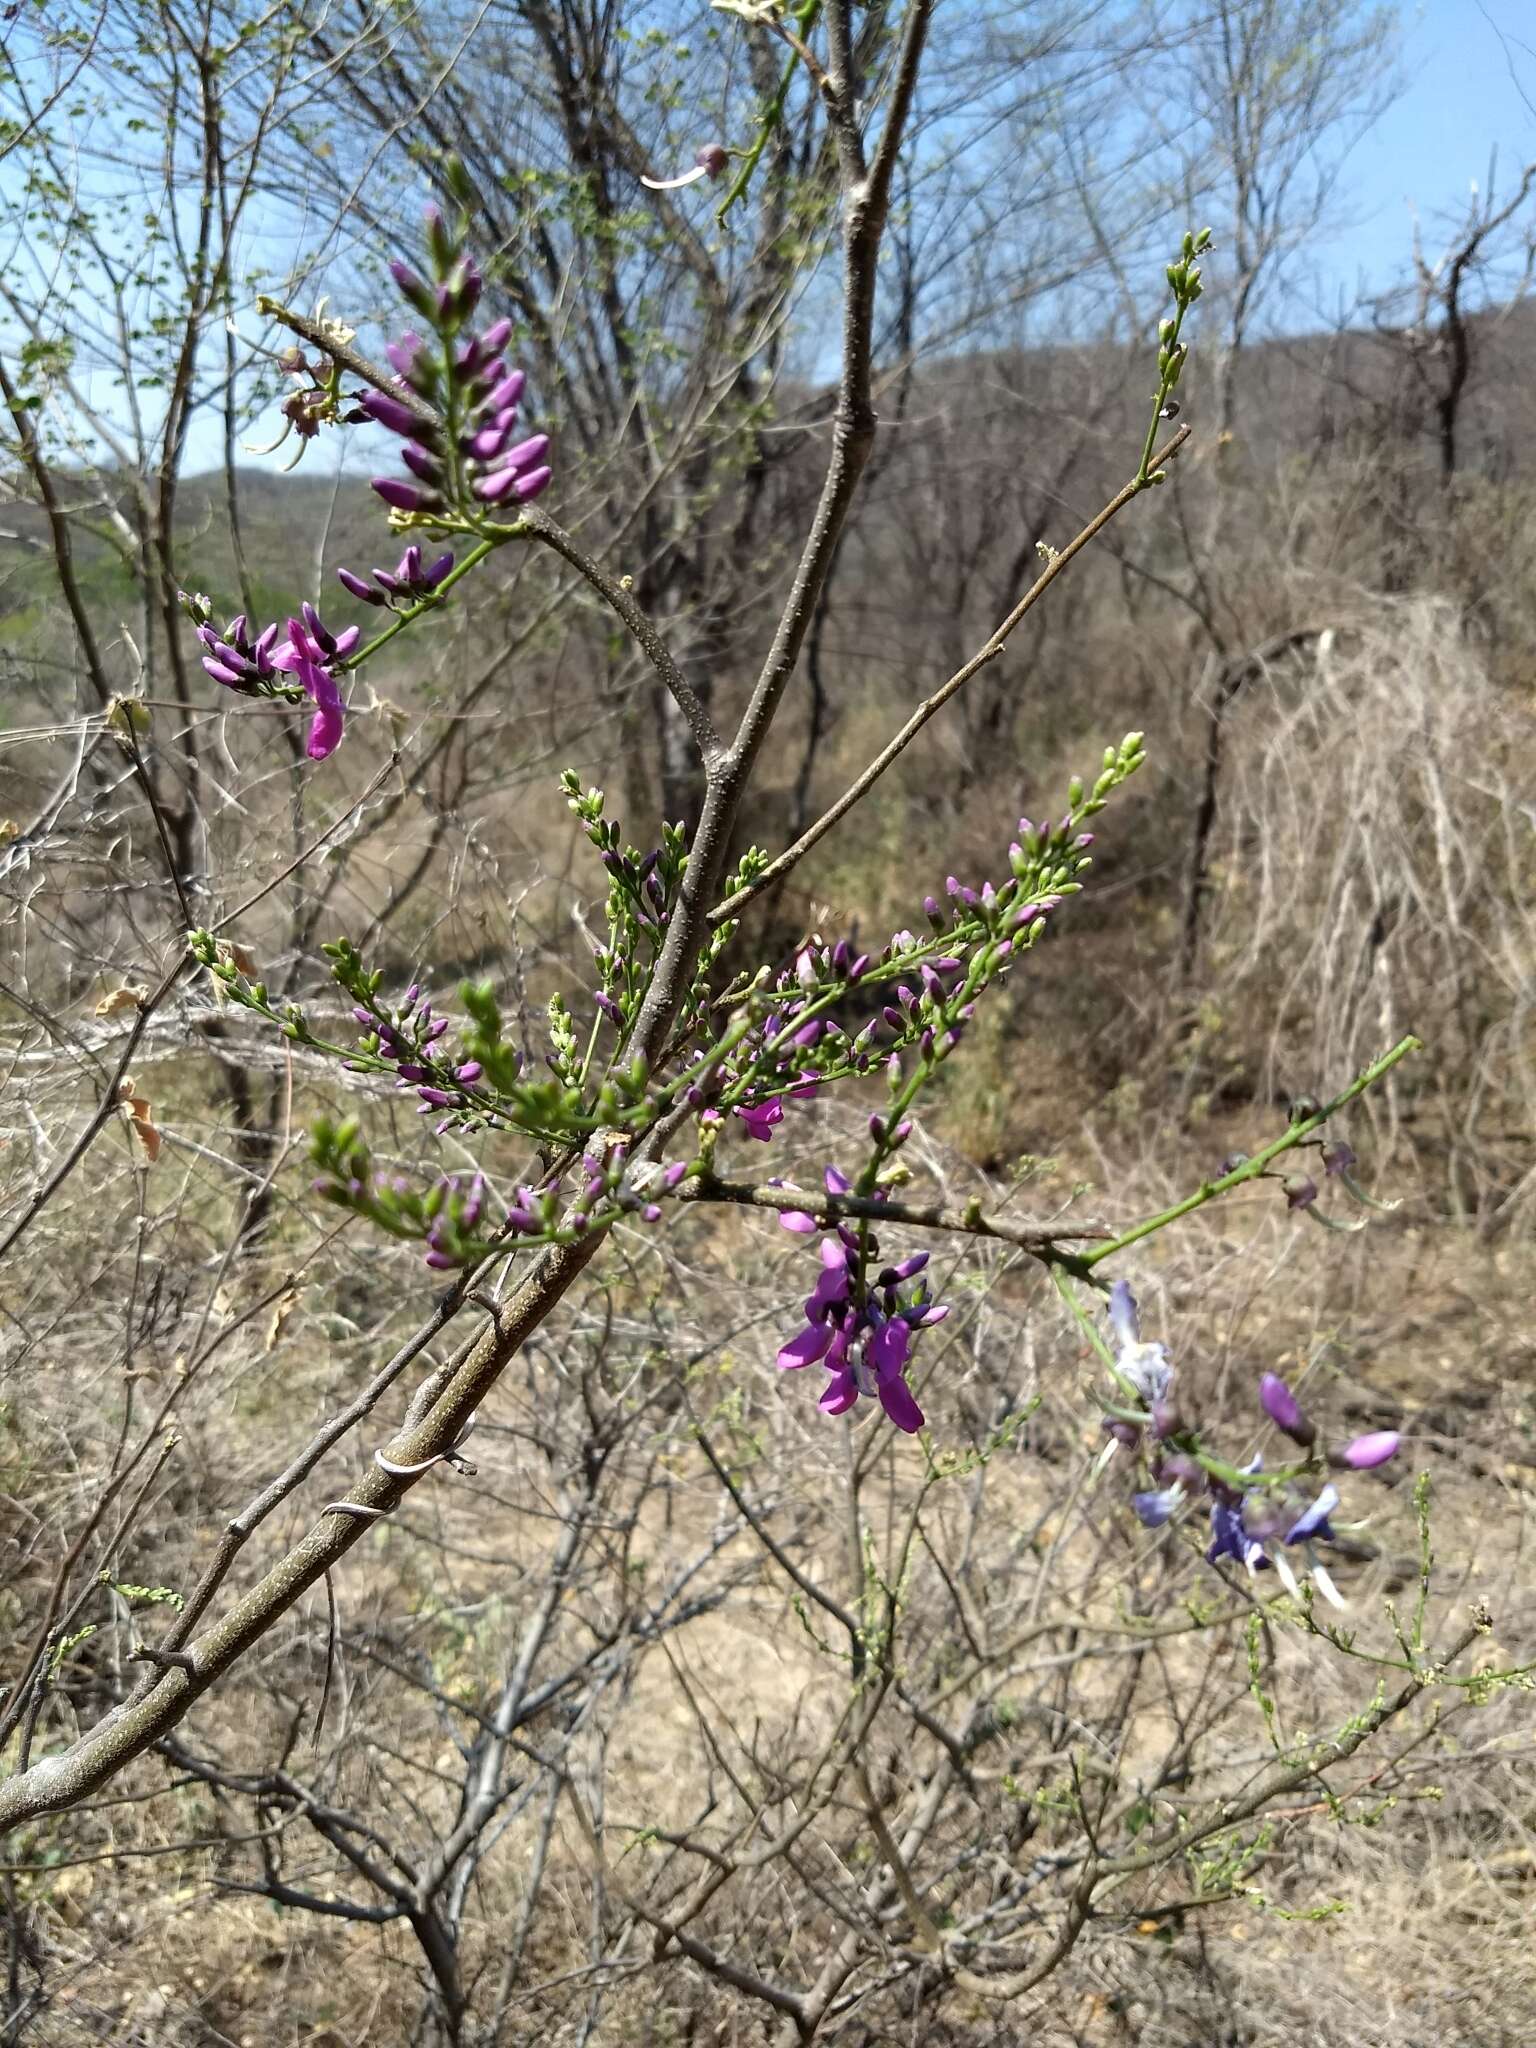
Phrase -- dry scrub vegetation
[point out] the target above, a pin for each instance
(686, 1714)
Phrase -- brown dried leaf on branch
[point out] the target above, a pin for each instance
(120, 999)
(137, 1112)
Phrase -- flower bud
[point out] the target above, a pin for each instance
(1284, 1410)
(1361, 1453)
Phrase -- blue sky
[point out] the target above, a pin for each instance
(1469, 72)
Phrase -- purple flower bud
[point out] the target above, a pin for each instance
(402, 354)
(1166, 1421)
(391, 413)
(1338, 1158)
(497, 487)
(1300, 1191)
(403, 497)
(411, 286)
(485, 445)
(506, 394)
(1284, 1410)
(713, 157)
(495, 337)
(470, 1071)
(358, 588)
(1364, 1452)
(528, 454)
(421, 462)
(904, 1269)
(1182, 1469)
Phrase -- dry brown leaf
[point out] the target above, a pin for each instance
(137, 1111)
(282, 1310)
(125, 998)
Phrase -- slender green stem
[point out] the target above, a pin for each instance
(1086, 1324)
(1251, 1169)
(771, 116)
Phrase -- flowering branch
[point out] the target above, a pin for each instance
(784, 863)
(1041, 1240)
(1302, 1131)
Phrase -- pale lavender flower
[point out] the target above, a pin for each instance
(1144, 1367)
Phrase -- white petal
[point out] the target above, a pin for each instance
(676, 184)
(1102, 1460)
(1287, 1577)
(1328, 1589)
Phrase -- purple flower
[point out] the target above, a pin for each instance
(760, 1118)
(313, 654)
(240, 663)
(1256, 1527)
(1313, 1521)
(1230, 1536)
(1154, 1509)
(806, 1346)
(879, 1372)
(1144, 1367)
(865, 1340)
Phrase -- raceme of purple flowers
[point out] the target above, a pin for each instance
(406, 584)
(863, 1335)
(797, 1055)
(409, 1041)
(257, 667)
(456, 402)
(1254, 1521)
